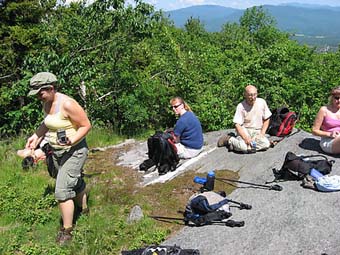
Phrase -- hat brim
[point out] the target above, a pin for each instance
(33, 92)
(36, 91)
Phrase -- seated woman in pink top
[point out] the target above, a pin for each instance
(327, 124)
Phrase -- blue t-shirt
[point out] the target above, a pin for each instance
(189, 129)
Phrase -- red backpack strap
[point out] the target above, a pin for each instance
(172, 144)
(287, 124)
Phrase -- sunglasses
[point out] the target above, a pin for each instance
(176, 106)
(336, 97)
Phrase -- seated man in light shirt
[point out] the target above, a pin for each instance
(251, 121)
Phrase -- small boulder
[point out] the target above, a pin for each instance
(136, 214)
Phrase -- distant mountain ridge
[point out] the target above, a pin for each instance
(312, 24)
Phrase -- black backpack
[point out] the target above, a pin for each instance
(162, 250)
(282, 122)
(200, 212)
(297, 167)
(162, 153)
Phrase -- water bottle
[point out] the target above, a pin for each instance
(253, 146)
(200, 180)
(209, 185)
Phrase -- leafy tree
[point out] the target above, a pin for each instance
(19, 21)
(132, 60)
(261, 27)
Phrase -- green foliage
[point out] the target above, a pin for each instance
(29, 217)
(132, 60)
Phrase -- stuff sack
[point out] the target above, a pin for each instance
(325, 183)
(162, 152)
(297, 167)
(204, 208)
(282, 122)
(162, 250)
(328, 183)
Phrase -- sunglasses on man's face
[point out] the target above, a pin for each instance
(336, 97)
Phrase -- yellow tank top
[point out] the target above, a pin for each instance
(58, 121)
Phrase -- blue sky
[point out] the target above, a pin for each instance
(168, 5)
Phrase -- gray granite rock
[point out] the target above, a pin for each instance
(292, 221)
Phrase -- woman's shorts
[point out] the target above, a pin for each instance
(69, 181)
(186, 152)
(326, 144)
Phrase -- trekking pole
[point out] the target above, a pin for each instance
(228, 223)
(164, 218)
(270, 187)
(242, 205)
(168, 219)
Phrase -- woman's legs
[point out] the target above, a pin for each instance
(326, 144)
(70, 188)
(336, 145)
(67, 210)
(81, 200)
(185, 152)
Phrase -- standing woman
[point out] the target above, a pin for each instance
(327, 124)
(65, 126)
(188, 130)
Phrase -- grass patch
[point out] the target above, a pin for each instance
(29, 217)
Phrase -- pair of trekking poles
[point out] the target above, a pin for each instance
(275, 187)
(208, 185)
(209, 182)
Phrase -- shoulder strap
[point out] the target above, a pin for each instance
(57, 107)
(318, 155)
(313, 156)
(285, 122)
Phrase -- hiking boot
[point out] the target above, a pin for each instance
(223, 141)
(64, 236)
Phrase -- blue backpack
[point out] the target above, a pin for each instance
(162, 250)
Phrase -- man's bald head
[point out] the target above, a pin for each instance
(250, 94)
